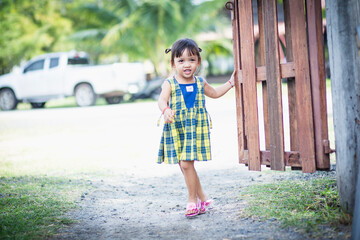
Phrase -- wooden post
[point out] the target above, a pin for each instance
(355, 229)
(342, 17)
(233, 7)
(261, 62)
(273, 79)
(247, 50)
(290, 81)
(305, 133)
(318, 81)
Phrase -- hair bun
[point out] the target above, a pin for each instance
(167, 50)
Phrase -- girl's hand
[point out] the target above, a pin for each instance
(169, 115)
(232, 81)
(221, 90)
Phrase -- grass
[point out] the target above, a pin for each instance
(70, 102)
(306, 205)
(60, 103)
(33, 207)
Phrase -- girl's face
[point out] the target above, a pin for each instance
(186, 66)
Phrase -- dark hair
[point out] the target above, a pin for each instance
(179, 47)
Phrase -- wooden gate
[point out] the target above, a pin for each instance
(262, 78)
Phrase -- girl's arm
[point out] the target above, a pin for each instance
(219, 91)
(163, 102)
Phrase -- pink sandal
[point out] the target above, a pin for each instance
(208, 204)
(192, 209)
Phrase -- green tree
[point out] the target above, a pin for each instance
(144, 29)
(131, 30)
(214, 49)
(160, 23)
(30, 28)
(92, 21)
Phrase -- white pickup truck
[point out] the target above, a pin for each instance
(63, 74)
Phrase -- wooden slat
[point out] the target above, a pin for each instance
(292, 159)
(261, 62)
(318, 80)
(273, 79)
(305, 129)
(247, 50)
(287, 71)
(290, 80)
(238, 82)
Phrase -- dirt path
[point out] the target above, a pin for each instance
(153, 208)
(132, 207)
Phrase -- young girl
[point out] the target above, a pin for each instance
(186, 135)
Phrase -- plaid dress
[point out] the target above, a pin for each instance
(188, 137)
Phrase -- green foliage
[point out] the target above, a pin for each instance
(133, 30)
(305, 205)
(30, 28)
(154, 25)
(214, 49)
(33, 207)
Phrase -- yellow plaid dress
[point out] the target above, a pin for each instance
(188, 137)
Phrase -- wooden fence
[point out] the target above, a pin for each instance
(303, 74)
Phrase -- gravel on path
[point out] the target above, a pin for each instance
(132, 207)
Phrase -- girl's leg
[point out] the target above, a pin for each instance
(199, 192)
(192, 181)
(187, 168)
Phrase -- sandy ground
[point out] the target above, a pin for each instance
(133, 207)
(153, 208)
(140, 199)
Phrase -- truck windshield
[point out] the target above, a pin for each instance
(77, 61)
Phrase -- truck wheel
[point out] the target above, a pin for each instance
(84, 95)
(8, 100)
(38, 104)
(114, 100)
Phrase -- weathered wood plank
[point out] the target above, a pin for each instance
(238, 81)
(287, 71)
(261, 62)
(247, 50)
(305, 129)
(273, 79)
(290, 80)
(292, 158)
(318, 80)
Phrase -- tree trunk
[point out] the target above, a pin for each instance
(342, 17)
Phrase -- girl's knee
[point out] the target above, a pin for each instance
(187, 165)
